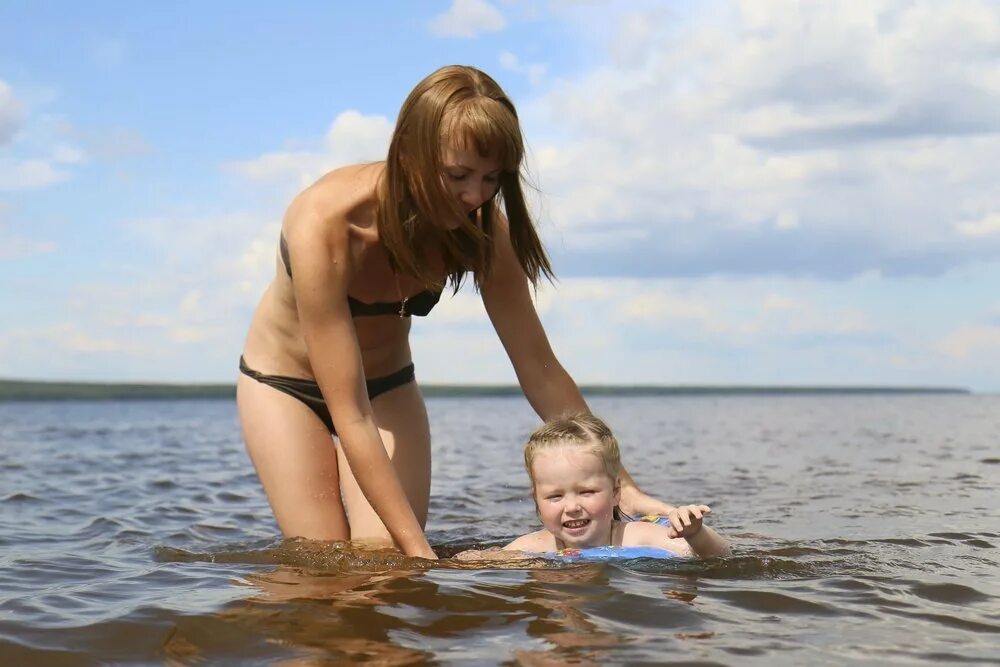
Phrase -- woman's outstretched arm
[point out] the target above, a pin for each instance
(548, 387)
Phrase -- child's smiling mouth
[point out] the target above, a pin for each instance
(576, 524)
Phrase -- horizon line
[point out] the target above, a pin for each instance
(17, 389)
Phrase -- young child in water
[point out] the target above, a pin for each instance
(574, 464)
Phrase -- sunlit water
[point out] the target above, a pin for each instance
(865, 528)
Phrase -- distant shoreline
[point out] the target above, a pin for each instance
(24, 390)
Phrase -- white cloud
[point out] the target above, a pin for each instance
(66, 154)
(802, 138)
(468, 18)
(778, 302)
(352, 137)
(11, 113)
(534, 71)
(15, 246)
(36, 154)
(982, 227)
(28, 174)
(972, 342)
(660, 307)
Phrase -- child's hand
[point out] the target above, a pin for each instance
(686, 520)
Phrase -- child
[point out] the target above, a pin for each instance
(573, 463)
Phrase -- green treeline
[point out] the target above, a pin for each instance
(23, 390)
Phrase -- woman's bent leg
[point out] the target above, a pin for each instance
(402, 422)
(296, 461)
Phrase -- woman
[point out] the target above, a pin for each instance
(361, 251)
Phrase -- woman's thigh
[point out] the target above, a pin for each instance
(296, 460)
(402, 422)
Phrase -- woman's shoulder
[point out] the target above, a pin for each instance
(340, 201)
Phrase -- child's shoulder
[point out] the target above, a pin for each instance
(645, 534)
(537, 542)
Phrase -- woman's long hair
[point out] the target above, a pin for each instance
(467, 108)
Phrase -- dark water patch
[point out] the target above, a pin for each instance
(982, 544)
(775, 603)
(904, 542)
(954, 622)
(948, 593)
(14, 653)
(767, 567)
(231, 497)
(952, 658)
(19, 497)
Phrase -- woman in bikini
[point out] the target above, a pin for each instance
(363, 250)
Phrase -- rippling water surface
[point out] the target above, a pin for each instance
(865, 528)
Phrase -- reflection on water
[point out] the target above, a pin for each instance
(865, 532)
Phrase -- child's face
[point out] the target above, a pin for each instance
(574, 495)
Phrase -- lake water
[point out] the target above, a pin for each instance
(865, 531)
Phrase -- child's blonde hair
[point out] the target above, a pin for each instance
(584, 431)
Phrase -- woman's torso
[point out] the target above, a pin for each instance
(275, 343)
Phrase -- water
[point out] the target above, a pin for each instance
(865, 531)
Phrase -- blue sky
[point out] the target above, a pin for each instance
(732, 192)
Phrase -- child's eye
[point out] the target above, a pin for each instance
(456, 177)
(553, 497)
(588, 492)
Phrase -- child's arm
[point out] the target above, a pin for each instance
(519, 549)
(539, 541)
(687, 522)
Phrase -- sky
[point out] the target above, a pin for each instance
(763, 192)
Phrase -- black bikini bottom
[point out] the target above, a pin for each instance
(308, 391)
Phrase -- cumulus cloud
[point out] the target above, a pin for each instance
(352, 137)
(811, 139)
(11, 113)
(188, 295)
(468, 18)
(975, 342)
(983, 227)
(534, 71)
(37, 154)
(28, 174)
(16, 246)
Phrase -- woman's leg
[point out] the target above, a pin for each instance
(402, 422)
(296, 461)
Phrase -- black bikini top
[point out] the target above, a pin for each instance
(419, 304)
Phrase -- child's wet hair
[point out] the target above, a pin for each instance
(583, 431)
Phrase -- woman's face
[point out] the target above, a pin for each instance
(471, 178)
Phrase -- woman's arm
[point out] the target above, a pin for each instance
(507, 296)
(548, 387)
(321, 264)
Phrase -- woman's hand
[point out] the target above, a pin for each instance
(427, 553)
(636, 503)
